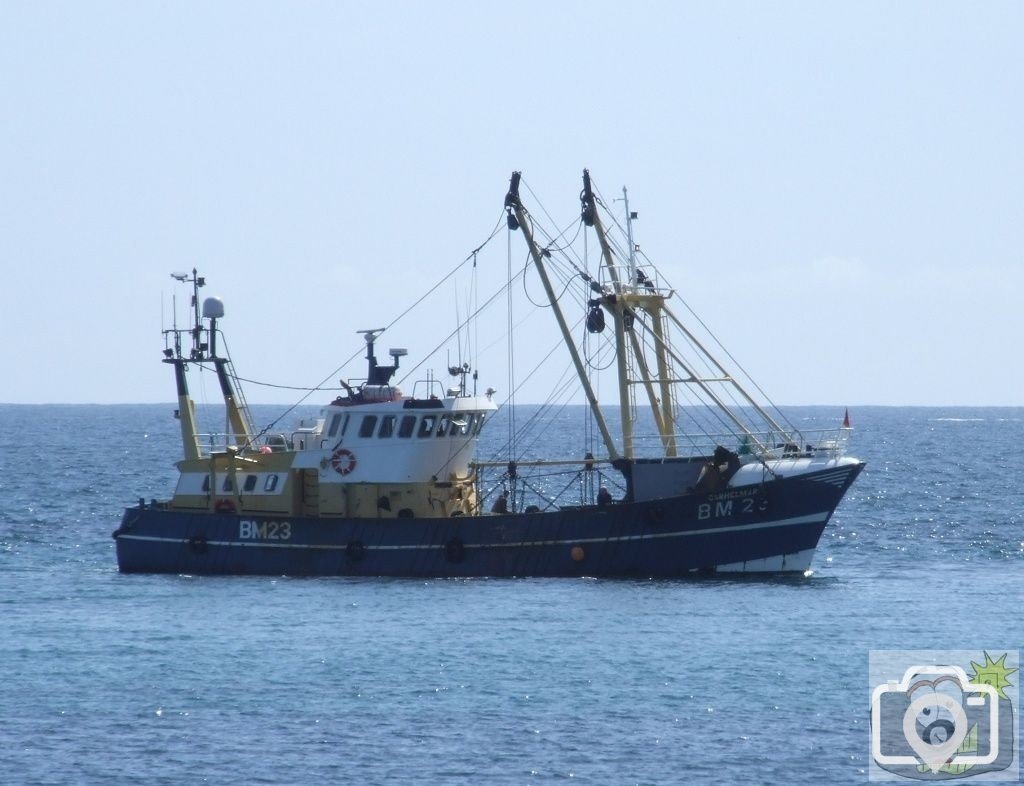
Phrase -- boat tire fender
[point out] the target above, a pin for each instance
(197, 544)
(126, 525)
(454, 550)
(356, 550)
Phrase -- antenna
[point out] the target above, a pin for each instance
(197, 281)
(630, 217)
(377, 374)
(197, 347)
(213, 309)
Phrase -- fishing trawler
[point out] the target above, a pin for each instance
(381, 483)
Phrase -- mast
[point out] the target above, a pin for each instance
(621, 304)
(235, 414)
(202, 352)
(186, 412)
(619, 315)
(629, 238)
(667, 434)
(656, 309)
(652, 302)
(213, 309)
(518, 219)
(631, 297)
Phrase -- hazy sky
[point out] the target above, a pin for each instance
(838, 189)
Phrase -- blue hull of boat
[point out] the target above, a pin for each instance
(659, 538)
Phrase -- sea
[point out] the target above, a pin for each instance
(136, 679)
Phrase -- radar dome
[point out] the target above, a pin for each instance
(213, 308)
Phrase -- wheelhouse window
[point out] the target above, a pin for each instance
(206, 483)
(228, 484)
(270, 484)
(479, 423)
(335, 421)
(462, 425)
(407, 427)
(367, 426)
(387, 426)
(250, 483)
(443, 427)
(427, 425)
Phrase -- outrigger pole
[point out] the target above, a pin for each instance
(626, 302)
(519, 219)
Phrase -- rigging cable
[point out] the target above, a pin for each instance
(448, 338)
(559, 387)
(587, 491)
(471, 306)
(452, 272)
(747, 377)
(511, 362)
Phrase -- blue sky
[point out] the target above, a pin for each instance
(836, 188)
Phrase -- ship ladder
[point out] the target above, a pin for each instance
(310, 492)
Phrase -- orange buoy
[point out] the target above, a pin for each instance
(577, 554)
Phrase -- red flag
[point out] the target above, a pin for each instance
(846, 419)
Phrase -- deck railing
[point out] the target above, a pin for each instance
(765, 445)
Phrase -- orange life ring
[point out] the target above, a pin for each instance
(224, 506)
(343, 461)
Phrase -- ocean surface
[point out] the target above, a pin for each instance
(112, 679)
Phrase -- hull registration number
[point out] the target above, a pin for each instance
(264, 530)
(726, 504)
